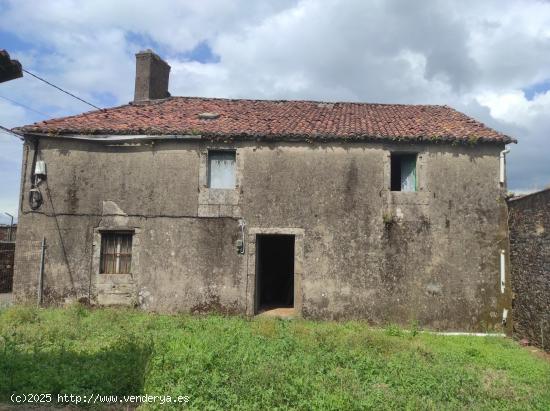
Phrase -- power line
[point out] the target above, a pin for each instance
(60, 89)
(24, 106)
(7, 130)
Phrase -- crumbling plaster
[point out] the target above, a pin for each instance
(436, 260)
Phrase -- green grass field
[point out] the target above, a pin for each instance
(232, 363)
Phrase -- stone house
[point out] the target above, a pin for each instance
(384, 212)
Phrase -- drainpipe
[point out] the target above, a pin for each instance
(503, 165)
(502, 271)
(503, 284)
(503, 252)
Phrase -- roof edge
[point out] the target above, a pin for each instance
(524, 196)
(328, 138)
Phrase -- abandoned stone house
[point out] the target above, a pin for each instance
(390, 213)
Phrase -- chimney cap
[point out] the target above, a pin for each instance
(152, 54)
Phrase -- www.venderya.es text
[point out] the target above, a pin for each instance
(97, 399)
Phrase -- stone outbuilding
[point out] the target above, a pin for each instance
(384, 212)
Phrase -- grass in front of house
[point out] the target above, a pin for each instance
(236, 363)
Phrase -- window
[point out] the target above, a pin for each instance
(221, 169)
(116, 253)
(403, 172)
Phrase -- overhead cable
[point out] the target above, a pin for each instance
(7, 130)
(24, 106)
(60, 89)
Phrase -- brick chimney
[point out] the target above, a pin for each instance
(152, 75)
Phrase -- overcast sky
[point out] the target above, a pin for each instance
(489, 59)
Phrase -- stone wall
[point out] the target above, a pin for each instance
(530, 260)
(366, 252)
(7, 251)
(5, 232)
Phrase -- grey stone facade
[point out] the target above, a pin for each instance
(361, 250)
(530, 258)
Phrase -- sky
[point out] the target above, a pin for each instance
(488, 59)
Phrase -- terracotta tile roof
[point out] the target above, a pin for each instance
(265, 119)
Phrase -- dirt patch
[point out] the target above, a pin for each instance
(497, 384)
(538, 353)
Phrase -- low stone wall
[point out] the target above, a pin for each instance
(530, 263)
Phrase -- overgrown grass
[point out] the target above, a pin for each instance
(236, 363)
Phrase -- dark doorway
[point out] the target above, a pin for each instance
(274, 271)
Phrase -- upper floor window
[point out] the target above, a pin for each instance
(116, 253)
(403, 172)
(221, 169)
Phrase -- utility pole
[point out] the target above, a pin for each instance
(11, 226)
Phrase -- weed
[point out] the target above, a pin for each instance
(473, 139)
(266, 327)
(19, 314)
(388, 218)
(77, 311)
(264, 363)
(393, 330)
(414, 328)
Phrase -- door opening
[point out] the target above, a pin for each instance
(274, 271)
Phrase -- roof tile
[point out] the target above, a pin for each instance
(272, 119)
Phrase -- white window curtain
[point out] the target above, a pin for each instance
(408, 173)
(221, 169)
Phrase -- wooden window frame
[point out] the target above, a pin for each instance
(397, 159)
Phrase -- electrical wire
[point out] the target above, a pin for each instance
(60, 89)
(7, 130)
(24, 106)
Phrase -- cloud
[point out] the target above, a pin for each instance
(479, 57)
(530, 120)
(10, 160)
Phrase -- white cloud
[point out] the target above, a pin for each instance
(10, 159)
(531, 123)
(475, 56)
